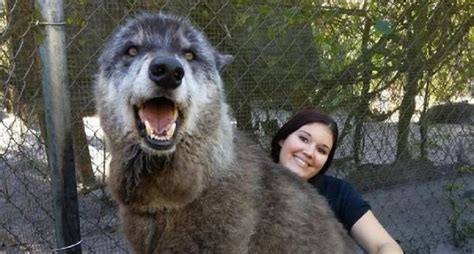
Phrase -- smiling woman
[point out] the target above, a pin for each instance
(306, 145)
(306, 150)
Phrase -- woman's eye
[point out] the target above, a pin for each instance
(322, 151)
(132, 51)
(189, 55)
(304, 139)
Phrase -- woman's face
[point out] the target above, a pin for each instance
(307, 149)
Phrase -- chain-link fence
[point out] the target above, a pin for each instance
(396, 76)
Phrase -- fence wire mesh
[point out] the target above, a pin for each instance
(397, 77)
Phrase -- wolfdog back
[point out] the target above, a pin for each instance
(184, 179)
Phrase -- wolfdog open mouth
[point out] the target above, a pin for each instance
(157, 122)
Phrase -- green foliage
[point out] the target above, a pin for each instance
(461, 225)
(83, 2)
(402, 39)
(34, 19)
(76, 19)
(78, 16)
(265, 10)
(243, 18)
(36, 16)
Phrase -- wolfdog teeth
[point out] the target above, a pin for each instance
(149, 129)
(170, 131)
(175, 113)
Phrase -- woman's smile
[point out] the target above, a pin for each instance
(306, 150)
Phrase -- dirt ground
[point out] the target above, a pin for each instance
(418, 215)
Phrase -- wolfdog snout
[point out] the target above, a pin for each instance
(166, 72)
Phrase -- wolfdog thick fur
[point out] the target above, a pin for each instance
(185, 180)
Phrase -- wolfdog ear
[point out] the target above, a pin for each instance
(223, 60)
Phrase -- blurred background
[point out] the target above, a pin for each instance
(397, 77)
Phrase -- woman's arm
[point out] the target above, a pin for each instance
(372, 237)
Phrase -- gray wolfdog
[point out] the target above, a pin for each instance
(184, 179)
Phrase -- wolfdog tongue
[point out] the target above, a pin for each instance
(159, 113)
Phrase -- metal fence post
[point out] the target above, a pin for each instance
(58, 119)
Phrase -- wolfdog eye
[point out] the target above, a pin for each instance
(132, 51)
(189, 55)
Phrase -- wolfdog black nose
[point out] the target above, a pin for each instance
(166, 72)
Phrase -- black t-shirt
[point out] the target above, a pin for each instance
(343, 199)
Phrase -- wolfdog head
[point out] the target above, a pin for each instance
(160, 97)
(157, 77)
